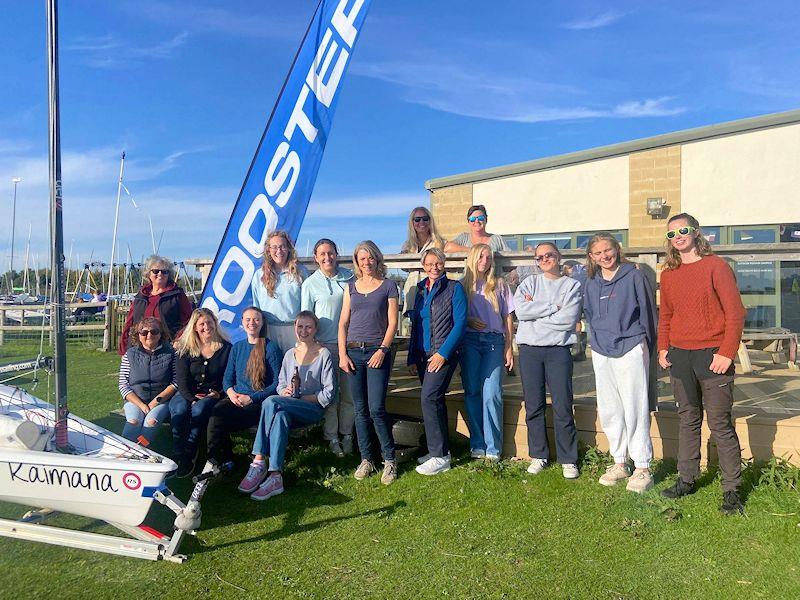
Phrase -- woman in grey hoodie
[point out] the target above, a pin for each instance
(548, 306)
(620, 306)
(322, 294)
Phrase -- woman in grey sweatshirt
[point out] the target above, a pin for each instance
(548, 306)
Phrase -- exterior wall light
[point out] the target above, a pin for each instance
(655, 207)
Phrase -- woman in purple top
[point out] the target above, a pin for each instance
(366, 330)
(486, 350)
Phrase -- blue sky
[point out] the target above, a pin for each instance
(433, 89)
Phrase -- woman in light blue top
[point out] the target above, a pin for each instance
(277, 288)
(323, 294)
(306, 386)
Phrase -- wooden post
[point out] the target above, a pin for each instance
(110, 326)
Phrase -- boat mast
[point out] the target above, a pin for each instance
(56, 230)
(116, 222)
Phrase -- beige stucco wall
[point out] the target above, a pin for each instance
(587, 196)
(746, 179)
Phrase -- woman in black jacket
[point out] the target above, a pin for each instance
(202, 357)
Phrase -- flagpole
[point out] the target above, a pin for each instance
(116, 223)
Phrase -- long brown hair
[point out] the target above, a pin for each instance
(702, 247)
(256, 369)
(592, 268)
(492, 285)
(269, 277)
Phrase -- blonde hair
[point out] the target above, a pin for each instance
(492, 284)
(411, 245)
(373, 250)
(702, 247)
(153, 261)
(592, 268)
(189, 342)
(268, 275)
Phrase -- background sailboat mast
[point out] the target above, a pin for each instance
(56, 230)
(116, 222)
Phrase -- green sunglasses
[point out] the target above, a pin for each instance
(681, 231)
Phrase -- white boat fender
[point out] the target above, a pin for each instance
(19, 433)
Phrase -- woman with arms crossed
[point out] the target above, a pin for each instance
(548, 306)
(699, 331)
(366, 330)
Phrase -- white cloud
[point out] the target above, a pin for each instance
(602, 20)
(108, 51)
(379, 205)
(469, 91)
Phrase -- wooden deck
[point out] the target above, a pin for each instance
(767, 411)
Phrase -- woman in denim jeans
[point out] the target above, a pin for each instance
(487, 349)
(366, 330)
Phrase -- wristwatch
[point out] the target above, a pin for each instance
(159, 400)
(384, 349)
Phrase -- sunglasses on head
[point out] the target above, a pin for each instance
(424, 219)
(479, 218)
(680, 231)
(546, 256)
(162, 271)
(146, 332)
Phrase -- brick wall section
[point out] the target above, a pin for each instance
(449, 208)
(652, 174)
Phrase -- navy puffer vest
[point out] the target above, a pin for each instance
(441, 323)
(168, 309)
(150, 372)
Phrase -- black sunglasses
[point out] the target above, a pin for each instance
(421, 219)
(162, 271)
(146, 332)
(546, 256)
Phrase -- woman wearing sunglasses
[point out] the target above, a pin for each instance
(699, 331)
(422, 234)
(619, 304)
(277, 287)
(477, 234)
(548, 306)
(146, 381)
(159, 297)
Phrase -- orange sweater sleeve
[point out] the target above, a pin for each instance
(724, 282)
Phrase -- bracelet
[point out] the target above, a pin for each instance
(384, 349)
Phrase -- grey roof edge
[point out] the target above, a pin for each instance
(667, 139)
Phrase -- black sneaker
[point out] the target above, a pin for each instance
(731, 503)
(185, 468)
(678, 490)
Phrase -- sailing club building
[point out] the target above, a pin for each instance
(741, 180)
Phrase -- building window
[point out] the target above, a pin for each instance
(562, 241)
(754, 235)
(713, 235)
(512, 242)
(789, 232)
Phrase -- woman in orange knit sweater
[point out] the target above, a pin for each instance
(699, 329)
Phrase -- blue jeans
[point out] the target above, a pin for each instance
(482, 363)
(368, 387)
(279, 414)
(189, 420)
(137, 423)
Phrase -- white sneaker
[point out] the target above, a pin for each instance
(434, 465)
(570, 471)
(640, 482)
(614, 474)
(426, 457)
(493, 457)
(477, 454)
(537, 465)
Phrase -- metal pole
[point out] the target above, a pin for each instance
(15, 181)
(57, 231)
(116, 222)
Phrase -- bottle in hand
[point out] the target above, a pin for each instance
(296, 383)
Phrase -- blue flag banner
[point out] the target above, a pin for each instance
(278, 186)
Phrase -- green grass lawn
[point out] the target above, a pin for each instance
(476, 531)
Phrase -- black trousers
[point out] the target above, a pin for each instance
(696, 387)
(434, 408)
(225, 419)
(550, 365)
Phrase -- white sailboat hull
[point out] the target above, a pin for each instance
(107, 477)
